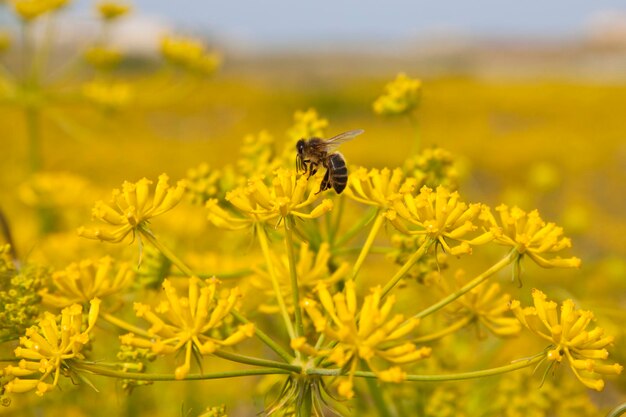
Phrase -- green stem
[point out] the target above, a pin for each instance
(407, 265)
(270, 267)
(8, 237)
(356, 228)
(124, 325)
(98, 370)
(33, 131)
(295, 290)
(248, 360)
(185, 269)
(377, 396)
(617, 411)
(378, 222)
(469, 286)
(444, 332)
(265, 338)
(167, 252)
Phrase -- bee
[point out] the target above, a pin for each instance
(314, 152)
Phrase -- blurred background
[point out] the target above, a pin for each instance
(529, 97)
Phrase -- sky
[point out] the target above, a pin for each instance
(291, 21)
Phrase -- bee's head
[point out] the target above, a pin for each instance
(300, 147)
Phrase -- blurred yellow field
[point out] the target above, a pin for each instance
(165, 249)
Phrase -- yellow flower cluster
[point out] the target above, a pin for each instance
(108, 95)
(54, 189)
(311, 269)
(530, 236)
(86, 280)
(189, 54)
(288, 195)
(484, 305)
(29, 10)
(401, 96)
(570, 340)
(103, 58)
(131, 208)
(440, 216)
(111, 10)
(46, 348)
(257, 155)
(379, 188)
(433, 167)
(186, 322)
(364, 334)
(307, 124)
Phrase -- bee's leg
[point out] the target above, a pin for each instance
(312, 169)
(325, 184)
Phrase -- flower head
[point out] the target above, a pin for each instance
(485, 305)
(401, 96)
(131, 208)
(29, 10)
(189, 54)
(529, 235)
(311, 269)
(433, 167)
(86, 280)
(570, 340)
(108, 95)
(375, 334)
(379, 188)
(102, 58)
(440, 216)
(47, 346)
(307, 124)
(287, 195)
(187, 322)
(111, 10)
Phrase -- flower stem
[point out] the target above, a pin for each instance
(468, 287)
(365, 219)
(377, 396)
(98, 370)
(185, 269)
(405, 268)
(234, 357)
(378, 222)
(617, 411)
(270, 267)
(167, 252)
(124, 325)
(295, 290)
(444, 332)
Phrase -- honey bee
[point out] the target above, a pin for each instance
(314, 152)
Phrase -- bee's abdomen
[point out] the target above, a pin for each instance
(338, 172)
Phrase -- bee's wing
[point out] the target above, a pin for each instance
(334, 142)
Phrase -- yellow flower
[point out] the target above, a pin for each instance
(203, 183)
(109, 95)
(190, 54)
(186, 322)
(47, 346)
(375, 334)
(441, 217)
(84, 281)
(311, 269)
(257, 155)
(29, 10)
(433, 167)
(401, 96)
(54, 189)
(111, 10)
(258, 202)
(485, 305)
(379, 188)
(131, 208)
(307, 124)
(582, 349)
(103, 58)
(529, 235)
